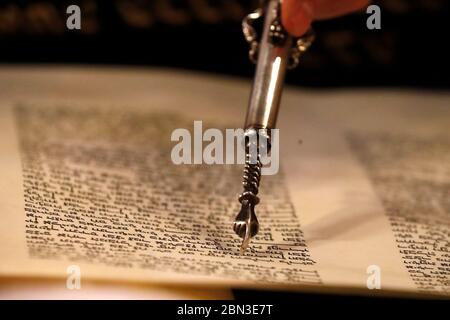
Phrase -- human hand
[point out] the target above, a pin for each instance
(297, 15)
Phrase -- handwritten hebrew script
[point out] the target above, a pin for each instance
(100, 188)
(412, 178)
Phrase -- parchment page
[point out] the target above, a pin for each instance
(87, 180)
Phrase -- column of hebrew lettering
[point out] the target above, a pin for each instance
(100, 187)
(412, 178)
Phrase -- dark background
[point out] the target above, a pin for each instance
(410, 50)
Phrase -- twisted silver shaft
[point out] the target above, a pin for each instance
(246, 224)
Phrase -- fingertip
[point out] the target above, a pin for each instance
(326, 9)
(296, 16)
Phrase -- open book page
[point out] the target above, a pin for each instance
(361, 199)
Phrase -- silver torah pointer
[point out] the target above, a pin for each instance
(275, 52)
